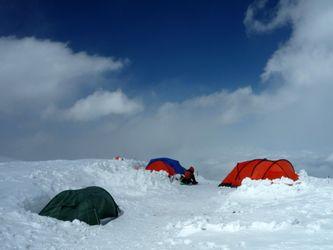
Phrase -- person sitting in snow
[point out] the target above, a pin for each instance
(188, 177)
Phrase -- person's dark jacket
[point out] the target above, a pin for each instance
(188, 178)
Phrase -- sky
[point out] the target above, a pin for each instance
(191, 80)
(175, 43)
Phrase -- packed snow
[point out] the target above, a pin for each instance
(159, 213)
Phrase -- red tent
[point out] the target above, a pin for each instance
(259, 169)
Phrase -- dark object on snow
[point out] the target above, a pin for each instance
(188, 177)
(91, 205)
(259, 169)
(168, 165)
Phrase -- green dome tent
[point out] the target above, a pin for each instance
(91, 205)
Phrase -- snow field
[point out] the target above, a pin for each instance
(160, 214)
(269, 215)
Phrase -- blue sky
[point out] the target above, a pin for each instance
(199, 81)
(177, 49)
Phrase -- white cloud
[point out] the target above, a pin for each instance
(100, 104)
(283, 13)
(36, 74)
(228, 107)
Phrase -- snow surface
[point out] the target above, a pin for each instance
(159, 214)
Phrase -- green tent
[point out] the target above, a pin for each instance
(91, 205)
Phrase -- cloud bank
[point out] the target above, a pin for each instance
(37, 76)
(100, 104)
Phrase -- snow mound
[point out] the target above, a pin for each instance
(268, 190)
(32, 185)
(120, 178)
(282, 190)
(133, 180)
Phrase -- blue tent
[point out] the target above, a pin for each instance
(175, 165)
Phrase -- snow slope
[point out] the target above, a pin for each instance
(159, 214)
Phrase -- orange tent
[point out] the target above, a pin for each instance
(259, 169)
